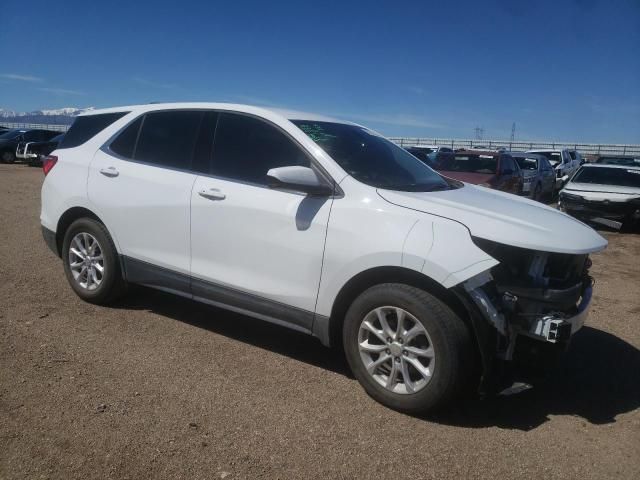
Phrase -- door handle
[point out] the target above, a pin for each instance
(212, 194)
(109, 172)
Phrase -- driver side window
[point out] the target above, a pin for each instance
(246, 148)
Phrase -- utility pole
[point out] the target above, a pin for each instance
(479, 131)
(513, 131)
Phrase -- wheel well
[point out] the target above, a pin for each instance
(378, 275)
(67, 219)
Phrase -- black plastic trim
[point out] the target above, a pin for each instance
(144, 273)
(50, 240)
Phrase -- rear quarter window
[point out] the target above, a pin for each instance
(87, 127)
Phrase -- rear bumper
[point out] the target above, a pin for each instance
(50, 240)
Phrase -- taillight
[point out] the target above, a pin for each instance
(48, 163)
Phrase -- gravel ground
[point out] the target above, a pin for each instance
(162, 387)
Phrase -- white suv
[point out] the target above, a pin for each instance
(564, 162)
(322, 226)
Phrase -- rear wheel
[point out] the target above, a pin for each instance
(91, 262)
(537, 193)
(407, 349)
(8, 156)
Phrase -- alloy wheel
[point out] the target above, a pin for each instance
(396, 350)
(86, 261)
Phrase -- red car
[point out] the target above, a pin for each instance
(497, 170)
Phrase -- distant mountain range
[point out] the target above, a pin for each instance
(56, 116)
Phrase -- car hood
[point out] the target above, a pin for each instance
(469, 177)
(592, 191)
(504, 218)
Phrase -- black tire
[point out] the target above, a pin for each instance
(112, 284)
(448, 334)
(7, 156)
(537, 193)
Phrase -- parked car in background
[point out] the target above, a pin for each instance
(432, 287)
(539, 179)
(9, 141)
(604, 194)
(430, 154)
(33, 152)
(575, 155)
(493, 169)
(625, 160)
(562, 162)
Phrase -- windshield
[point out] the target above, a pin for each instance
(470, 163)
(371, 158)
(620, 177)
(527, 163)
(554, 157)
(11, 134)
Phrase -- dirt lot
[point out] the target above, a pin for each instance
(160, 387)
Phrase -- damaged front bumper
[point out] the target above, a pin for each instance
(603, 212)
(559, 315)
(525, 310)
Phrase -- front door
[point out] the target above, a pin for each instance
(255, 248)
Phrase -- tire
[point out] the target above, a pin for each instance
(103, 288)
(537, 193)
(8, 156)
(451, 365)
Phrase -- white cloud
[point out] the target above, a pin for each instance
(21, 78)
(61, 91)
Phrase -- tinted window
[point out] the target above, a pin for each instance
(168, 138)
(246, 148)
(572, 153)
(125, 144)
(506, 163)
(527, 163)
(84, 128)
(372, 159)
(470, 163)
(11, 134)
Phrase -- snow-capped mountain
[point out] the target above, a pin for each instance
(58, 115)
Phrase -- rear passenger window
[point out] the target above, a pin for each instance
(204, 144)
(168, 138)
(85, 128)
(246, 148)
(125, 144)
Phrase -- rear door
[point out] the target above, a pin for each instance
(141, 185)
(253, 247)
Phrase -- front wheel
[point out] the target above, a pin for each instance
(407, 349)
(91, 262)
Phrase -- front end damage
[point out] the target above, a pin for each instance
(525, 310)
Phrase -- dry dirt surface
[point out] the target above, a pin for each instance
(161, 387)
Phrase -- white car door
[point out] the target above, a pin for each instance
(141, 185)
(252, 247)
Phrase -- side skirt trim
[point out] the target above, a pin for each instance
(147, 274)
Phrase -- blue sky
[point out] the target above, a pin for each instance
(562, 70)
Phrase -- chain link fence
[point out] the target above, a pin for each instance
(584, 148)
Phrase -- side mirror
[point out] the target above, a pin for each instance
(301, 179)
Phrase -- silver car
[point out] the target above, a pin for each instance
(538, 175)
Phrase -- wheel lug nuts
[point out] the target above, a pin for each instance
(397, 359)
(387, 351)
(404, 352)
(400, 341)
(388, 339)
